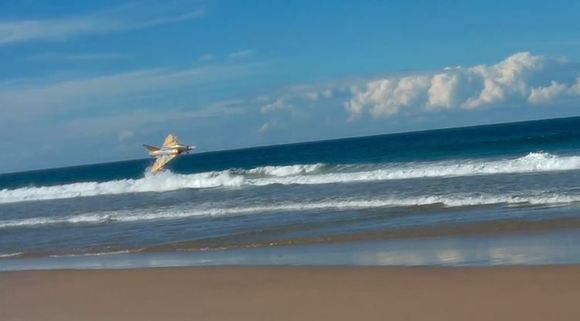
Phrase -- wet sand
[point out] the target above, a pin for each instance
(293, 293)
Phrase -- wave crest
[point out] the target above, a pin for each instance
(224, 209)
(162, 182)
(533, 162)
(282, 171)
(307, 174)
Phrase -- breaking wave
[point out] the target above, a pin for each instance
(162, 182)
(224, 210)
(296, 174)
(533, 162)
(9, 255)
(281, 171)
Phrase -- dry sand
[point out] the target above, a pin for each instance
(293, 293)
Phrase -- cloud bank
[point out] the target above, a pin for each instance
(522, 78)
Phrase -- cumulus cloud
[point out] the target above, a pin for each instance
(386, 97)
(556, 90)
(441, 91)
(575, 89)
(506, 79)
(519, 79)
(546, 94)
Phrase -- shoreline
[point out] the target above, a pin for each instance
(534, 249)
(293, 293)
(484, 230)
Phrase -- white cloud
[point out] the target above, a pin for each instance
(505, 79)
(386, 97)
(312, 96)
(546, 94)
(554, 92)
(317, 95)
(519, 79)
(242, 54)
(278, 104)
(575, 89)
(64, 56)
(296, 101)
(113, 20)
(268, 126)
(441, 90)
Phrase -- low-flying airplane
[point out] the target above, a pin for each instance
(171, 148)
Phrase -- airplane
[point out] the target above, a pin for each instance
(171, 148)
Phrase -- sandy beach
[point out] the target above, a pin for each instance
(293, 293)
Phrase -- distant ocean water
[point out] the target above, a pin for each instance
(508, 177)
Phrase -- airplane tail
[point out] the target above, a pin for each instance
(151, 148)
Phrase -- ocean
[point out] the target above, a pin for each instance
(400, 197)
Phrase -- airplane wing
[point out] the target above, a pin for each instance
(160, 162)
(170, 141)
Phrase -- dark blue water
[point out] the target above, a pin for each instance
(502, 178)
(556, 135)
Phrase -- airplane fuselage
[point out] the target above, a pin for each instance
(176, 150)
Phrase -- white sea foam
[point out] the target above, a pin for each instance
(225, 210)
(533, 162)
(7, 255)
(162, 182)
(96, 254)
(282, 171)
(296, 174)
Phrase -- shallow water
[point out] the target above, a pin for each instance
(553, 248)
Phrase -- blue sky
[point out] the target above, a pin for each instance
(89, 81)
